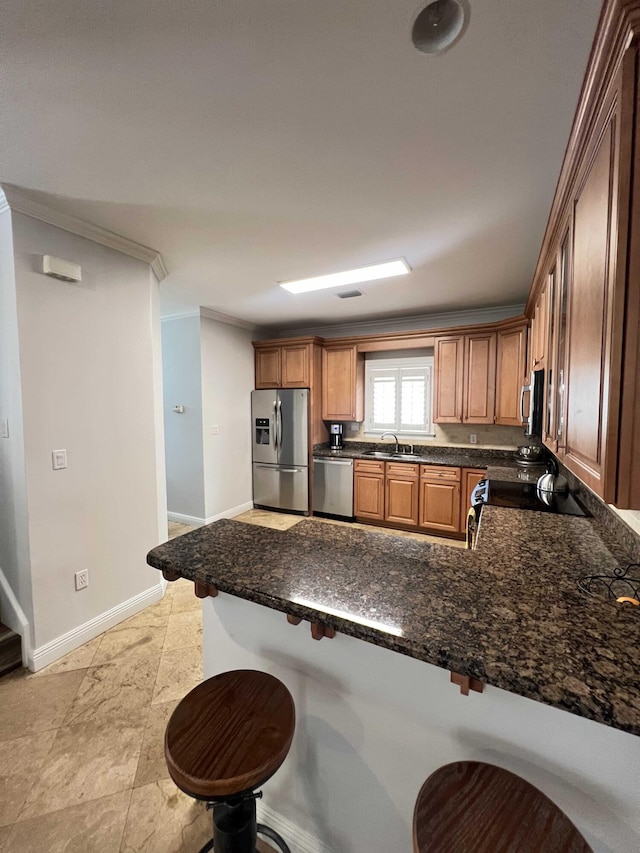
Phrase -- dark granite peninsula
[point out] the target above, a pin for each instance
(375, 722)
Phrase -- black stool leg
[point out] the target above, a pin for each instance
(234, 827)
(272, 835)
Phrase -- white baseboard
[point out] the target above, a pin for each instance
(230, 513)
(51, 652)
(179, 518)
(298, 840)
(194, 521)
(13, 616)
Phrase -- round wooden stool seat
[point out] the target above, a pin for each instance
(229, 734)
(470, 807)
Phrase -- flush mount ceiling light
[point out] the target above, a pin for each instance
(388, 269)
(439, 25)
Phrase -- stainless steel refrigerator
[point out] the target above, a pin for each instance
(280, 425)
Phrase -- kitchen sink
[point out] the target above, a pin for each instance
(382, 454)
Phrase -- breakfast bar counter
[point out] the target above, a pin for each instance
(508, 616)
(508, 613)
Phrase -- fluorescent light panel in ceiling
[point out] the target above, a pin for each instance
(388, 269)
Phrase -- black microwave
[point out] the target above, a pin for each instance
(535, 390)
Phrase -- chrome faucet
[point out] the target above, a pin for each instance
(385, 434)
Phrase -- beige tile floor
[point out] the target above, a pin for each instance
(81, 742)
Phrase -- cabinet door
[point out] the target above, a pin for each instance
(551, 370)
(401, 499)
(440, 506)
(539, 326)
(295, 366)
(470, 479)
(479, 378)
(342, 384)
(449, 371)
(510, 375)
(368, 495)
(589, 374)
(268, 367)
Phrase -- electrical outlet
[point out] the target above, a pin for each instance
(215, 429)
(355, 427)
(4, 428)
(473, 438)
(82, 579)
(59, 458)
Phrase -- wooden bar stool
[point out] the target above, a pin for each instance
(471, 807)
(224, 740)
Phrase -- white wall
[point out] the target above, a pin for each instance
(227, 382)
(182, 381)
(372, 725)
(87, 360)
(15, 580)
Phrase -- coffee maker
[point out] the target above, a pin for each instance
(335, 436)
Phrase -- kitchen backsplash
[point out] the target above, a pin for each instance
(457, 435)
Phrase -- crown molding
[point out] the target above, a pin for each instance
(425, 322)
(20, 202)
(181, 315)
(210, 314)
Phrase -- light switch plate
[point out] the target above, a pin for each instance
(4, 428)
(59, 458)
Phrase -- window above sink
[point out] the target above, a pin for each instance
(399, 396)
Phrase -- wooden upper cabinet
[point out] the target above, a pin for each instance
(510, 374)
(593, 238)
(295, 366)
(268, 364)
(591, 308)
(448, 384)
(342, 383)
(465, 378)
(284, 366)
(539, 327)
(479, 382)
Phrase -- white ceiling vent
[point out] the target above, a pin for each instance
(57, 268)
(349, 294)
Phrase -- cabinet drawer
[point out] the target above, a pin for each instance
(402, 469)
(438, 473)
(371, 466)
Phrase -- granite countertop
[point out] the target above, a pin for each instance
(508, 613)
(456, 457)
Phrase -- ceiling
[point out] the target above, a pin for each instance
(253, 141)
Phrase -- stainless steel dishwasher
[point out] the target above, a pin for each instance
(333, 486)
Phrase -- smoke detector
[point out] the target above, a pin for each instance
(439, 25)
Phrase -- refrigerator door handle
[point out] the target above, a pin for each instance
(279, 422)
(275, 424)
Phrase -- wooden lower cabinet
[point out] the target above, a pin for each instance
(401, 494)
(368, 490)
(470, 479)
(434, 498)
(440, 499)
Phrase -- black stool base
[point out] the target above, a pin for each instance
(235, 829)
(274, 836)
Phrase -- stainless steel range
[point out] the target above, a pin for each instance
(518, 495)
